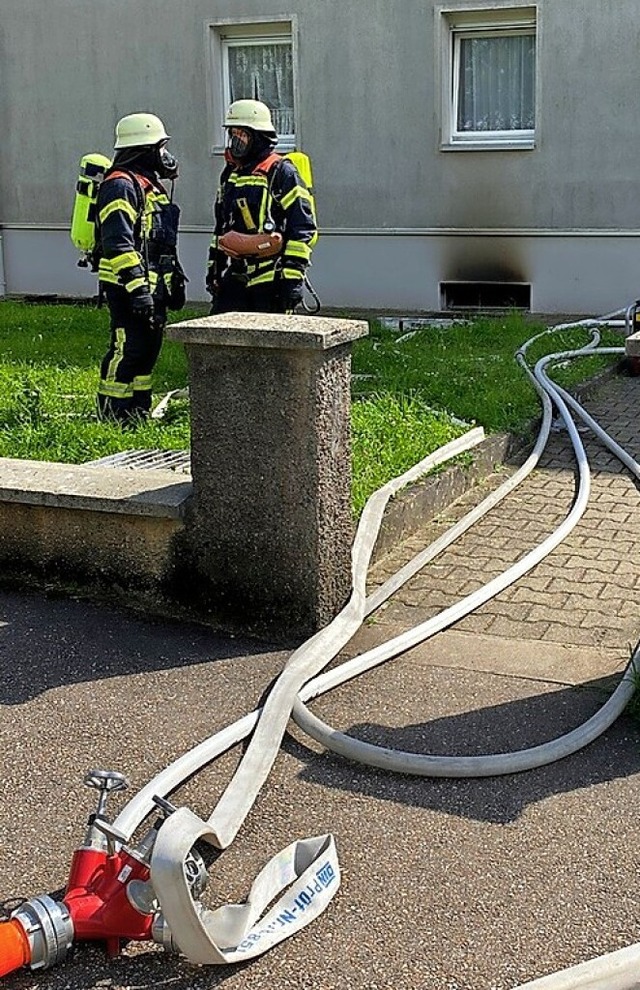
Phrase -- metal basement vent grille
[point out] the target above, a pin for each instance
(485, 295)
(149, 460)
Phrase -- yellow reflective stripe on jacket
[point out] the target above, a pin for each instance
(126, 260)
(292, 273)
(106, 274)
(297, 249)
(263, 278)
(296, 193)
(118, 205)
(248, 180)
(135, 283)
(254, 267)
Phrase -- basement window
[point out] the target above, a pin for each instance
(485, 295)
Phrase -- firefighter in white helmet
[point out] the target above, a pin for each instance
(260, 193)
(139, 272)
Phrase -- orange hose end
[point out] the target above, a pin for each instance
(15, 951)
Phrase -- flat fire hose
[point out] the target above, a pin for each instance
(307, 870)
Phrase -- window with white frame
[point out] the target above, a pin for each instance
(489, 83)
(256, 62)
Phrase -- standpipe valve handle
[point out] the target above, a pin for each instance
(164, 806)
(107, 782)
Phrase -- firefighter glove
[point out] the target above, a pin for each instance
(142, 307)
(177, 292)
(291, 291)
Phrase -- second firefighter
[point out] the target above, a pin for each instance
(264, 220)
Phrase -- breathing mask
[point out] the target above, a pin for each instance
(239, 144)
(166, 165)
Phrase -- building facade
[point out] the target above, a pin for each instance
(469, 152)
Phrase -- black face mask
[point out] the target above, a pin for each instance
(238, 147)
(167, 165)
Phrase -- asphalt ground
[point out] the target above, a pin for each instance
(447, 884)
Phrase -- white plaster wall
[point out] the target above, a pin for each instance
(591, 274)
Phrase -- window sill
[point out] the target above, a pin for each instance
(525, 145)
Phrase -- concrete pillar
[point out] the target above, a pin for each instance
(270, 530)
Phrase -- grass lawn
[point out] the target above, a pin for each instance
(412, 392)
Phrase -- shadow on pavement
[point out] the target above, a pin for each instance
(49, 642)
(142, 967)
(494, 729)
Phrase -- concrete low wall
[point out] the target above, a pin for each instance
(103, 530)
(419, 503)
(120, 533)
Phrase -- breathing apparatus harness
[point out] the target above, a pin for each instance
(140, 184)
(85, 225)
(269, 225)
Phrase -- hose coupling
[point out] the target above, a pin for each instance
(49, 929)
(162, 935)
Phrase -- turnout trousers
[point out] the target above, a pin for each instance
(124, 393)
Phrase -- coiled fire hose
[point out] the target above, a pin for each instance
(308, 870)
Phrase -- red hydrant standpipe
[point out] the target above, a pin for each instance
(115, 904)
(109, 896)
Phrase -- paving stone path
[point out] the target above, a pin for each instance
(585, 593)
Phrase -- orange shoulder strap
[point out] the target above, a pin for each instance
(267, 163)
(142, 179)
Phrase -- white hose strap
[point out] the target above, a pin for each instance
(490, 764)
(315, 653)
(307, 870)
(487, 765)
(616, 971)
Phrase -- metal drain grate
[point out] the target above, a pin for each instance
(149, 460)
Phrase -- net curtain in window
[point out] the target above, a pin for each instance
(496, 83)
(264, 72)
